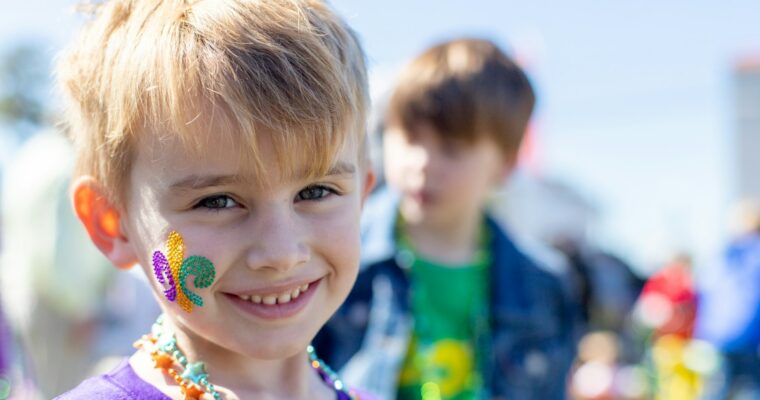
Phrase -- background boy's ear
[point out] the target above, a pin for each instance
(505, 172)
(508, 165)
(102, 222)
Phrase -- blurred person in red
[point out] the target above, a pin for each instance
(666, 310)
(669, 299)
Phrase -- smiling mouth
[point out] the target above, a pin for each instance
(277, 298)
(423, 197)
(276, 305)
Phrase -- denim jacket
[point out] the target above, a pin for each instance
(531, 318)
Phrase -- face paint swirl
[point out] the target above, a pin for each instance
(173, 269)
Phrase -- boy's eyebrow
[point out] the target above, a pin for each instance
(341, 168)
(194, 182)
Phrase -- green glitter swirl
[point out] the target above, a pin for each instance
(204, 273)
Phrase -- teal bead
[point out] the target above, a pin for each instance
(166, 343)
(195, 372)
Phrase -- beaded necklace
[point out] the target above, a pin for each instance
(192, 377)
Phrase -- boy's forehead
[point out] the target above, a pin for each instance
(205, 151)
(422, 129)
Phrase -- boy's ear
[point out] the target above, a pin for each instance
(101, 220)
(368, 183)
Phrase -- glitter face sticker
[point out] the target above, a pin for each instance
(174, 267)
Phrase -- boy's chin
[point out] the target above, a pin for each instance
(427, 216)
(278, 350)
(276, 344)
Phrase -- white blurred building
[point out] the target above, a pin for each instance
(747, 119)
(543, 209)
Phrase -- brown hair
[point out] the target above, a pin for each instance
(465, 89)
(290, 69)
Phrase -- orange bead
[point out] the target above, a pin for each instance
(144, 342)
(162, 360)
(191, 392)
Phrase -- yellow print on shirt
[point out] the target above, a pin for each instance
(447, 363)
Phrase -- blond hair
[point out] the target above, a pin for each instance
(465, 89)
(291, 68)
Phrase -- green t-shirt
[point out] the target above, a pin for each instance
(448, 303)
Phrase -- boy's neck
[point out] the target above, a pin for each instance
(239, 377)
(452, 243)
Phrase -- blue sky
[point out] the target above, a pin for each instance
(635, 98)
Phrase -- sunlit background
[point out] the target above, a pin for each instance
(646, 135)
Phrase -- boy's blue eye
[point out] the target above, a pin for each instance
(315, 192)
(217, 202)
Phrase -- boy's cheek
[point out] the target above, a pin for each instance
(395, 178)
(341, 231)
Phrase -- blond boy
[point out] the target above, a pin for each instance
(221, 149)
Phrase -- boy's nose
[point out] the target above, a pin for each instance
(417, 164)
(424, 165)
(418, 157)
(277, 243)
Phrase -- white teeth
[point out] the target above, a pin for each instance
(283, 298)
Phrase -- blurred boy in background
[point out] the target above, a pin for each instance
(446, 306)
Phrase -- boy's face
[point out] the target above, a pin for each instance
(442, 182)
(265, 242)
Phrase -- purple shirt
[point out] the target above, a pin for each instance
(120, 384)
(123, 384)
